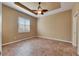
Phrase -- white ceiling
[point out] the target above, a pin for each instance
(64, 6)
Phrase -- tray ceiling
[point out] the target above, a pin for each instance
(53, 7)
(44, 5)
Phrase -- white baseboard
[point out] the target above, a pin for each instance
(54, 39)
(37, 36)
(17, 41)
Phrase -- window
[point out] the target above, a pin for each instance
(23, 25)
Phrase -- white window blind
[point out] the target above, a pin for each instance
(23, 25)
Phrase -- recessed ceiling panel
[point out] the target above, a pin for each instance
(44, 5)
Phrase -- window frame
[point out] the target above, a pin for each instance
(18, 29)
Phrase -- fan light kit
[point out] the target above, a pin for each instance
(40, 10)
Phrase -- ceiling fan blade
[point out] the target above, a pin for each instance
(22, 6)
(44, 10)
(42, 13)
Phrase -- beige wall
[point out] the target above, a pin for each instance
(10, 26)
(56, 26)
(53, 26)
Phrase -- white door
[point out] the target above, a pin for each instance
(74, 31)
(0, 24)
(78, 35)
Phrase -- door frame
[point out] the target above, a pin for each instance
(74, 29)
(75, 24)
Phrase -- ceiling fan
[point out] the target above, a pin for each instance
(36, 12)
(40, 10)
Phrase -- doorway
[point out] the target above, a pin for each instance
(75, 31)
